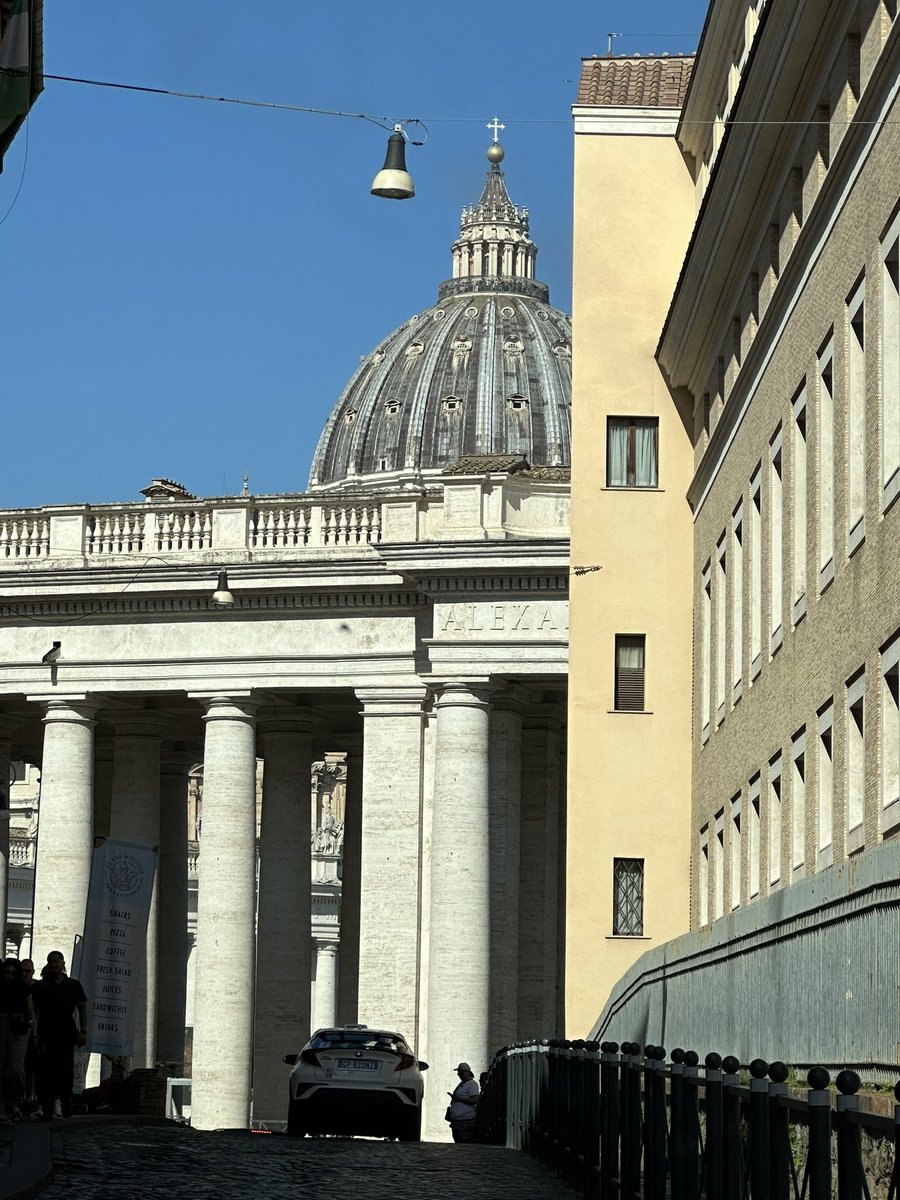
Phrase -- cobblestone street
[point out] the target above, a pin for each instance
(165, 1162)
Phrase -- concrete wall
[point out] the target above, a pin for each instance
(809, 976)
(628, 773)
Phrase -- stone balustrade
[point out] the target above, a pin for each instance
(480, 507)
(21, 851)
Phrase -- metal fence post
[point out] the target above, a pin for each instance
(609, 1118)
(657, 1146)
(677, 1140)
(733, 1173)
(631, 1120)
(849, 1149)
(819, 1160)
(648, 1124)
(592, 1120)
(759, 1130)
(781, 1164)
(692, 1124)
(894, 1190)
(712, 1154)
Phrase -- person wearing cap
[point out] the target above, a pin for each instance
(463, 1105)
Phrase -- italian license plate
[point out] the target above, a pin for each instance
(357, 1064)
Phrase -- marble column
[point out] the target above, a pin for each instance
(7, 724)
(283, 956)
(171, 975)
(226, 910)
(348, 965)
(103, 768)
(505, 807)
(134, 817)
(66, 838)
(393, 724)
(539, 875)
(459, 966)
(326, 985)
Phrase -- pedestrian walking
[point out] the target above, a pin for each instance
(16, 1024)
(58, 1000)
(30, 1103)
(463, 1107)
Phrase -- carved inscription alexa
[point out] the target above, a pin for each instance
(541, 619)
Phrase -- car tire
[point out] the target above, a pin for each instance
(295, 1126)
(410, 1128)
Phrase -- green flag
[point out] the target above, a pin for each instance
(15, 62)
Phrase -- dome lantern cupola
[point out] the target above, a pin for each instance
(494, 251)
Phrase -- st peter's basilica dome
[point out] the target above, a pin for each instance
(487, 371)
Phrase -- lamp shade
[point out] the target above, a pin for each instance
(393, 181)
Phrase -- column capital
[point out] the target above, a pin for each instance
(513, 697)
(328, 946)
(229, 708)
(546, 716)
(76, 710)
(393, 702)
(177, 760)
(9, 723)
(136, 722)
(275, 720)
(458, 693)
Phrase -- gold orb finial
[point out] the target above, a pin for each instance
(495, 153)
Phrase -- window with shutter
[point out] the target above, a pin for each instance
(629, 672)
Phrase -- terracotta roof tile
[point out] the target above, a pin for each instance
(635, 82)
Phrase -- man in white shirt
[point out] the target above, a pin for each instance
(463, 1105)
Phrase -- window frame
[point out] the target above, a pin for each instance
(617, 903)
(632, 423)
(620, 642)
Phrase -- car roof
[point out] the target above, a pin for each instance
(364, 1030)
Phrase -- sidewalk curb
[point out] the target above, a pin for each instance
(31, 1167)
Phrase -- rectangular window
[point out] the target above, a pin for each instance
(776, 567)
(736, 851)
(628, 897)
(825, 435)
(774, 821)
(629, 672)
(706, 651)
(631, 451)
(703, 880)
(753, 837)
(800, 471)
(890, 362)
(721, 594)
(856, 759)
(756, 573)
(890, 735)
(798, 801)
(856, 418)
(825, 786)
(719, 866)
(737, 601)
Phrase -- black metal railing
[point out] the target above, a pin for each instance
(621, 1123)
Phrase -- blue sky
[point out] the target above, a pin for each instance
(188, 285)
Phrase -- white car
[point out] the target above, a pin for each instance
(356, 1080)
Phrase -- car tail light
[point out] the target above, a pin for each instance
(310, 1058)
(405, 1063)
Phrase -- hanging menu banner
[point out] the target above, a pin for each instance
(115, 938)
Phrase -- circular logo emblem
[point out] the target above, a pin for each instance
(124, 875)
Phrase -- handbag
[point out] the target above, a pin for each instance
(447, 1116)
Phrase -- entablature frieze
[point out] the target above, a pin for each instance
(201, 605)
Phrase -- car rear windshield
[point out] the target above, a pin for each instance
(346, 1040)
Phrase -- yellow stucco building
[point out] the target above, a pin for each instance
(629, 758)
